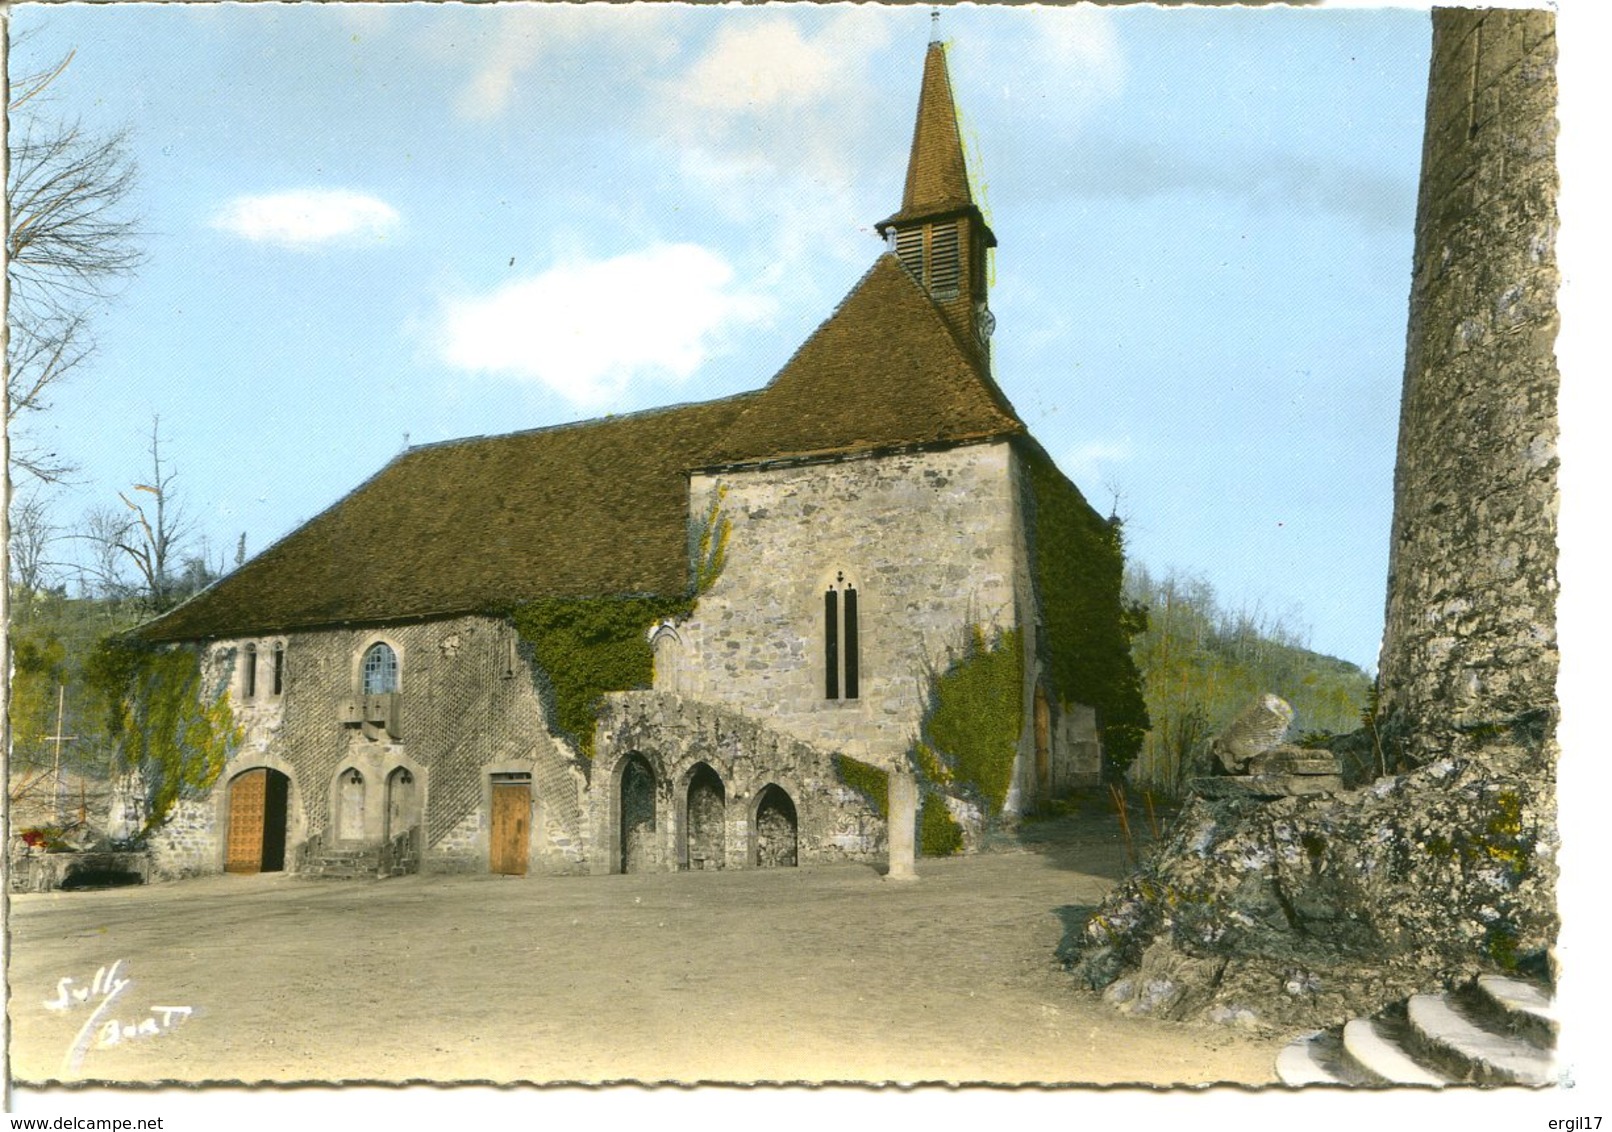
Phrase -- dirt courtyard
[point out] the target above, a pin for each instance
(812, 974)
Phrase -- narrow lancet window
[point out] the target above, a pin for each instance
(279, 669)
(249, 677)
(831, 642)
(841, 649)
(850, 643)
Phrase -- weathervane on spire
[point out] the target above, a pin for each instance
(934, 25)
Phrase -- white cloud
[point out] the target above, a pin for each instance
(772, 123)
(521, 38)
(306, 218)
(755, 67)
(585, 329)
(1086, 463)
(1081, 44)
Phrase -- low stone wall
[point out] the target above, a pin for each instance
(47, 872)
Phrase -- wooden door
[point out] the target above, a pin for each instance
(248, 796)
(1043, 742)
(512, 811)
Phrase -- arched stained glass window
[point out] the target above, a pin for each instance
(380, 670)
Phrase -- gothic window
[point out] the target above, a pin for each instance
(279, 669)
(841, 641)
(249, 672)
(380, 669)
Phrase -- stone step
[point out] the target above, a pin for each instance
(1520, 1007)
(1371, 1046)
(1303, 1061)
(1441, 1034)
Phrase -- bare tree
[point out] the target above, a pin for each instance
(158, 528)
(102, 574)
(69, 245)
(32, 534)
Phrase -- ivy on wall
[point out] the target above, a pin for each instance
(1078, 561)
(939, 835)
(868, 781)
(975, 718)
(588, 647)
(177, 734)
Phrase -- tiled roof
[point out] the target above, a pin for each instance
(884, 371)
(937, 176)
(593, 508)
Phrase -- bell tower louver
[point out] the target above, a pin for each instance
(940, 235)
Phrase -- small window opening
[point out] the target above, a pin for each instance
(249, 676)
(380, 670)
(841, 643)
(279, 669)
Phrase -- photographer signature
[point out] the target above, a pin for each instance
(100, 1031)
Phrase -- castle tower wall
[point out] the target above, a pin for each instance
(1470, 636)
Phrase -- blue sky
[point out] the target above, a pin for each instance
(374, 223)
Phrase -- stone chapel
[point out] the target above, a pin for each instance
(835, 549)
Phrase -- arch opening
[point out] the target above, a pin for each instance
(777, 830)
(637, 815)
(350, 803)
(255, 833)
(707, 806)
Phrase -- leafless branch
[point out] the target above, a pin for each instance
(71, 245)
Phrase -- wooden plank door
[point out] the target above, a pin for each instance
(512, 811)
(248, 795)
(1043, 743)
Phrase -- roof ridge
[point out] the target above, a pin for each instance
(586, 422)
(742, 442)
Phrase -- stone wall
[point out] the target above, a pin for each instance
(1470, 634)
(469, 703)
(187, 843)
(1303, 912)
(689, 749)
(930, 541)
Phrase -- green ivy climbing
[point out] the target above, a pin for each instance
(975, 718)
(588, 647)
(176, 733)
(868, 781)
(1078, 561)
(939, 835)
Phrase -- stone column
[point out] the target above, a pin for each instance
(903, 826)
(1470, 628)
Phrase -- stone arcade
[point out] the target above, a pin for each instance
(840, 536)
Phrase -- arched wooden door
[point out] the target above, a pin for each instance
(255, 835)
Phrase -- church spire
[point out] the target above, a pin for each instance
(940, 234)
(937, 175)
